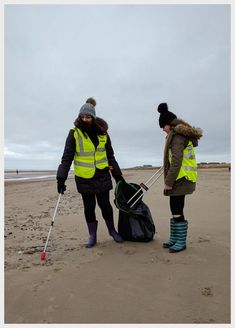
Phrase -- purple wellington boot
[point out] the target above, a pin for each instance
(92, 228)
(113, 232)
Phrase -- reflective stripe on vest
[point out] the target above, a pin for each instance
(189, 165)
(87, 158)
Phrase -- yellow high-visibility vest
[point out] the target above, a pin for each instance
(87, 158)
(188, 168)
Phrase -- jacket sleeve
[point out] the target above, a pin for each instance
(68, 156)
(116, 171)
(177, 148)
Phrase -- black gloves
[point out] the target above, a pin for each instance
(61, 187)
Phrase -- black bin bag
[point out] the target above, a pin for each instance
(136, 223)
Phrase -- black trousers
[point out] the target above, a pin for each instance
(89, 202)
(177, 205)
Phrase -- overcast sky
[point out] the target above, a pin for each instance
(129, 58)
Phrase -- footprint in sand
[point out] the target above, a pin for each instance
(162, 259)
(35, 288)
(69, 249)
(71, 296)
(130, 251)
(203, 240)
(207, 291)
(51, 308)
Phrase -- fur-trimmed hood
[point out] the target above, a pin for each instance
(99, 124)
(183, 128)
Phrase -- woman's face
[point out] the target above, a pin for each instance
(167, 128)
(87, 119)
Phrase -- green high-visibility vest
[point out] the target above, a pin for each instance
(87, 158)
(188, 168)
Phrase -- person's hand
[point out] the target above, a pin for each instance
(61, 187)
(166, 187)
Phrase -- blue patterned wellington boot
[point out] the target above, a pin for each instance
(172, 239)
(181, 229)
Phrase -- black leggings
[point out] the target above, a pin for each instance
(177, 205)
(89, 202)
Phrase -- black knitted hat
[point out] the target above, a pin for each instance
(166, 117)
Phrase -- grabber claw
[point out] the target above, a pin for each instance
(43, 256)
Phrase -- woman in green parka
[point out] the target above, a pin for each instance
(180, 172)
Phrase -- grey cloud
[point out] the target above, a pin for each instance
(130, 58)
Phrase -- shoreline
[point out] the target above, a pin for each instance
(37, 174)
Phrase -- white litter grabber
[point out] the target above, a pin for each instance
(43, 254)
(145, 186)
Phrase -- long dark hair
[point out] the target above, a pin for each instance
(98, 124)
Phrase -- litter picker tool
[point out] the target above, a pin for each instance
(43, 254)
(145, 186)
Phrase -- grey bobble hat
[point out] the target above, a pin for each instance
(88, 109)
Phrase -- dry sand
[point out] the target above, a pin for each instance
(116, 283)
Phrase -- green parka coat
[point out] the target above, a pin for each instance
(177, 140)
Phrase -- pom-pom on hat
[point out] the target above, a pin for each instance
(166, 117)
(88, 108)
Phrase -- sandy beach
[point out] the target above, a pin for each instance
(116, 283)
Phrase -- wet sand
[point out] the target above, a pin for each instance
(116, 283)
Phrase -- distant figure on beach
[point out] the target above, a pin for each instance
(17, 172)
(88, 145)
(180, 172)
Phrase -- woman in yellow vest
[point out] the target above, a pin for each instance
(180, 172)
(89, 147)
